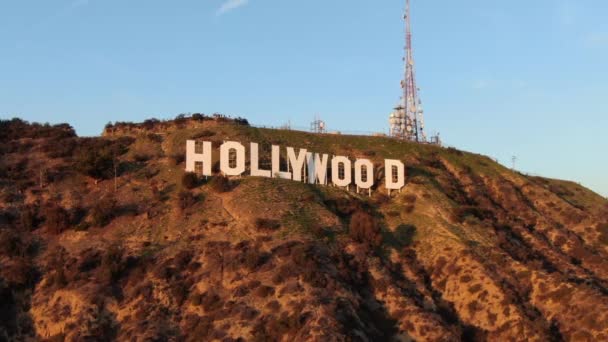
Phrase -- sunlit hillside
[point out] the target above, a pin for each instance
(108, 238)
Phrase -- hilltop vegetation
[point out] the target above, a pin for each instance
(108, 238)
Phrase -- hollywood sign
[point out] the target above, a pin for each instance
(303, 166)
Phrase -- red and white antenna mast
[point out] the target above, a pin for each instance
(407, 122)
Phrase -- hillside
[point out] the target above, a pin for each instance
(469, 250)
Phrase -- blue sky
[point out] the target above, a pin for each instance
(501, 78)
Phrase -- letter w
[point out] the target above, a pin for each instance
(317, 168)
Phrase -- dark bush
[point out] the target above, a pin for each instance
(267, 225)
(56, 260)
(56, 218)
(141, 157)
(6, 218)
(112, 265)
(178, 158)
(150, 123)
(409, 199)
(220, 184)
(17, 129)
(210, 301)
(179, 291)
(264, 291)
(11, 243)
(454, 151)
(603, 230)
(103, 211)
(28, 218)
(461, 213)
(182, 259)
(95, 163)
(186, 199)
(404, 234)
(190, 180)
(364, 229)
(89, 260)
(198, 117)
(254, 259)
(76, 215)
(180, 119)
(343, 206)
(60, 148)
(97, 157)
(21, 272)
(241, 121)
(157, 138)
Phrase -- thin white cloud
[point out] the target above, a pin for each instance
(231, 5)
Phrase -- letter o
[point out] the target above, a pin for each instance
(225, 158)
(335, 168)
(369, 167)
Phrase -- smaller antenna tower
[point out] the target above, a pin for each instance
(318, 126)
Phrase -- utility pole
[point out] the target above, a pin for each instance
(513, 160)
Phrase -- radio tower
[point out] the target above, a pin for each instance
(407, 121)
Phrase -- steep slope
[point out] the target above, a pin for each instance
(469, 250)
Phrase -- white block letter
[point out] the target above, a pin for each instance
(317, 167)
(335, 171)
(369, 167)
(394, 171)
(255, 163)
(204, 156)
(297, 163)
(225, 166)
(276, 164)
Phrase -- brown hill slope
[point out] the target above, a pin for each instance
(468, 251)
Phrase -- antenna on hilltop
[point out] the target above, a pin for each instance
(318, 125)
(407, 121)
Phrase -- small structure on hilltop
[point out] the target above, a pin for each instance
(318, 126)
